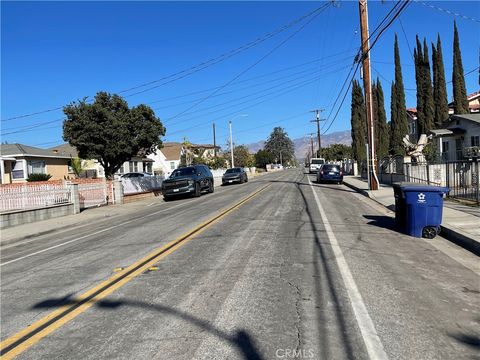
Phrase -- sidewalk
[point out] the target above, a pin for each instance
(460, 223)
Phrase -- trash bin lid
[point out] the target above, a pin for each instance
(415, 187)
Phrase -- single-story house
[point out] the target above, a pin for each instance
(460, 139)
(167, 158)
(18, 161)
(93, 167)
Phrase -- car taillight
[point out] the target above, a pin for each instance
(341, 173)
(321, 172)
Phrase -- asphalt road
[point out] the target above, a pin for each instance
(301, 270)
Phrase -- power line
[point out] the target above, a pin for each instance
(322, 8)
(447, 11)
(193, 69)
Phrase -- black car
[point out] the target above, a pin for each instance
(188, 180)
(232, 175)
(329, 172)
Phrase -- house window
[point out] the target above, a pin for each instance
(121, 169)
(412, 128)
(172, 165)
(445, 146)
(133, 166)
(147, 167)
(17, 170)
(36, 167)
(475, 140)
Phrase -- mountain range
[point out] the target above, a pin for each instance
(302, 145)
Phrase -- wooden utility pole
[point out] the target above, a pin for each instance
(214, 142)
(311, 143)
(367, 85)
(317, 120)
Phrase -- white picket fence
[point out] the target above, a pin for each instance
(141, 184)
(33, 196)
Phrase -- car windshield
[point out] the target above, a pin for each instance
(330, 168)
(318, 161)
(234, 170)
(183, 172)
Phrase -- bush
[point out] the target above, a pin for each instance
(38, 177)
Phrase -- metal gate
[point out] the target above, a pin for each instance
(462, 179)
(92, 194)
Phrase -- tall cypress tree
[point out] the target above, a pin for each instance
(358, 122)
(458, 79)
(420, 79)
(381, 127)
(393, 116)
(399, 111)
(427, 91)
(439, 85)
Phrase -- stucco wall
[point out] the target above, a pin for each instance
(58, 168)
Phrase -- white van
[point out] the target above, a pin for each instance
(316, 164)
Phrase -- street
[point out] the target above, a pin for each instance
(296, 270)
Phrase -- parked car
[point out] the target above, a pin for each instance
(188, 180)
(331, 173)
(315, 164)
(135, 174)
(232, 175)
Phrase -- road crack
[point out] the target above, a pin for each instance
(298, 296)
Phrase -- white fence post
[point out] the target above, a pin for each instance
(75, 197)
(117, 192)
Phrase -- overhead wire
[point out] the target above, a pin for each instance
(197, 67)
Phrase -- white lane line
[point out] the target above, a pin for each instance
(85, 236)
(367, 328)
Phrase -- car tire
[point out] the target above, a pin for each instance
(242, 180)
(198, 190)
(211, 188)
(166, 199)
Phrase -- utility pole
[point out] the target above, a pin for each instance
(311, 143)
(317, 120)
(231, 144)
(214, 143)
(367, 85)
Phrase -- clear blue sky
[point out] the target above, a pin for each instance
(57, 52)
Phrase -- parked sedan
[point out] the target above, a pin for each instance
(232, 175)
(330, 173)
(135, 175)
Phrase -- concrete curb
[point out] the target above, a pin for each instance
(448, 233)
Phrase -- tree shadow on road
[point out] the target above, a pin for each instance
(240, 339)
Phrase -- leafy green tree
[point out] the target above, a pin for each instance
(109, 131)
(277, 142)
(439, 86)
(399, 124)
(336, 152)
(263, 157)
(382, 136)
(242, 157)
(458, 80)
(358, 122)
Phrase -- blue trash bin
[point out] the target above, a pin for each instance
(423, 209)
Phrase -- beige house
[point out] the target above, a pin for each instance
(18, 161)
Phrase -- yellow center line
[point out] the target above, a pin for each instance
(21, 341)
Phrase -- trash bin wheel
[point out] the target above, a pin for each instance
(429, 232)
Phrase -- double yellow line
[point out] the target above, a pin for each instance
(21, 341)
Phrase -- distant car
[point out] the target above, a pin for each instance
(232, 175)
(330, 173)
(135, 175)
(315, 164)
(188, 180)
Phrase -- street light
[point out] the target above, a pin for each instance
(231, 142)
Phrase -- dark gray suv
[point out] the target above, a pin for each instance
(188, 180)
